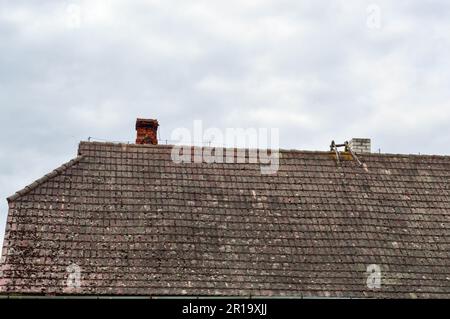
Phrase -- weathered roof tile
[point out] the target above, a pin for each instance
(136, 223)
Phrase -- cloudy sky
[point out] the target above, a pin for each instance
(317, 70)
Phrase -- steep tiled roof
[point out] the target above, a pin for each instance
(136, 223)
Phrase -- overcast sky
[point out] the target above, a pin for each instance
(318, 71)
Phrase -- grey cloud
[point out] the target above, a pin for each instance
(316, 66)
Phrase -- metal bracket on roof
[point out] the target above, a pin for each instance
(334, 147)
(348, 152)
(349, 149)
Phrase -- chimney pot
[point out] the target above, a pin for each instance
(360, 145)
(147, 131)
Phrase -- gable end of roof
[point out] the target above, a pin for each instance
(44, 179)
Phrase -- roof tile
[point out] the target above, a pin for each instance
(136, 223)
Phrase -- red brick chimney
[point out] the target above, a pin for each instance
(147, 131)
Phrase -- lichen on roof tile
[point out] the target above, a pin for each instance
(124, 219)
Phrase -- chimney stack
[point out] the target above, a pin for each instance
(360, 145)
(147, 131)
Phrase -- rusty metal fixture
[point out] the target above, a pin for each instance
(346, 155)
(333, 148)
(349, 149)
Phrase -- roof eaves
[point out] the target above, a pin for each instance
(44, 179)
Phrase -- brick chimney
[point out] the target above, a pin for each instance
(360, 145)
(147, 131)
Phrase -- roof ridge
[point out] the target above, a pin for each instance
(281, 150)
(45, 178)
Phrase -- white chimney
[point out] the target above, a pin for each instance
(360, 145)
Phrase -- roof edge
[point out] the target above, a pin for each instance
(44, 179)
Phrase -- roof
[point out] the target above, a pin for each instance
(125, 219)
